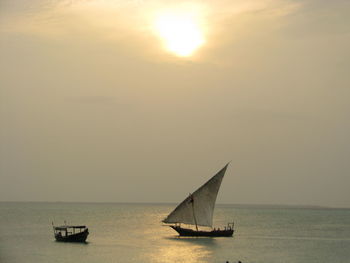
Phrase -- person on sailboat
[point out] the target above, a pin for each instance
(191, 198)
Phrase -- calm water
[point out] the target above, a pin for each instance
(133, 233)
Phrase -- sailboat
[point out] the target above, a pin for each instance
(197, 210)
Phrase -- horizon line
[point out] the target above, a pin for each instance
(171, 203)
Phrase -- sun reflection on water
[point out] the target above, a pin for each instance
(184, 250)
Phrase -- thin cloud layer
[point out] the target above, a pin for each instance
(89, 94)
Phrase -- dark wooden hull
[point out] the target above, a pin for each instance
(77, 237)
(193, 233)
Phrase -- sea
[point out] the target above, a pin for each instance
(133, 233)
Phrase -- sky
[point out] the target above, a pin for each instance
(112, 101)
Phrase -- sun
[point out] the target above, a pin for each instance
(180, 32)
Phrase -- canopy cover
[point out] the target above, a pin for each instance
(66, 227)
(199, 206)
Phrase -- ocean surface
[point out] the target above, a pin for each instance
(134, 233)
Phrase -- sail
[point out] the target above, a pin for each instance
(198, 208)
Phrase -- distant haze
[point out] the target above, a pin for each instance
(94, 108)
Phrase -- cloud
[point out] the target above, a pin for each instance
(127, 23)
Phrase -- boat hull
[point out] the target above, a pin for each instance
(78, 237)
(194, 233)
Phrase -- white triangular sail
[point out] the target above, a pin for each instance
(198, 208)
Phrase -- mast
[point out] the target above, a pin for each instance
(194, 214)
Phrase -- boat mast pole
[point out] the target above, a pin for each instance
(194, 215)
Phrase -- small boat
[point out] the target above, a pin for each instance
(70, 233)
(198, 209)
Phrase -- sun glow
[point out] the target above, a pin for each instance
(181, 33)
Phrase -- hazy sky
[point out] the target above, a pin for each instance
(95, 107)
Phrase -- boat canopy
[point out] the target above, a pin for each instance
(66, 227)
